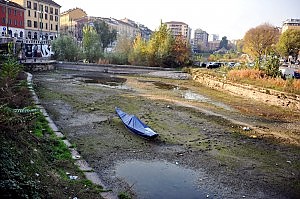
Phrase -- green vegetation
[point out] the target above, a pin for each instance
(289, 43)
(65, 48)
(34, 163)
(260, 40)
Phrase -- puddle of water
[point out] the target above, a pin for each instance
(157, 179)
(189, 95)
(105, 81)
(165, 86)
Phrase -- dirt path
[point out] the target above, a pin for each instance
(200, 128)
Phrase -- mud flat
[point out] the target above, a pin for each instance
(214, 140)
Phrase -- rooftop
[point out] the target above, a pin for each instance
(12, 4)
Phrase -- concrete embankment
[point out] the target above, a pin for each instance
(269, 96)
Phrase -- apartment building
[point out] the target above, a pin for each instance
(290, 24)
(200, 40)
(179, 29)
(143, 31)
(11, 20)
(41, 19)
(68, 23)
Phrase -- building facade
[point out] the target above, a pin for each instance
(213, 37)
(41, 20)
(11, 20)
(179, 29)
(290, 24)
(200, 40)
(68, 21)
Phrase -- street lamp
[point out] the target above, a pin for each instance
(7, 1)
(41, 26)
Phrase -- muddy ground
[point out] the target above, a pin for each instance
(199, 128)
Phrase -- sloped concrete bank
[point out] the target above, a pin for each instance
(269, 96)
(88, 171)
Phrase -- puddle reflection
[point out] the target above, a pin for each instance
(158, 179)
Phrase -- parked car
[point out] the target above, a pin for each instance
(200, 64)
(214, 65)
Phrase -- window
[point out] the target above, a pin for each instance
(15, 22)
(41, 8)
(56, 27)
(9, 21)
(9, 11)
(51, 10)
(3, 20)
(46, 16)
(46, 9)
(51, 17)
(21, 23)
(29, 4)
(41, 25)
(56, 11)
(29, 23)
(28, 13)
(34, 14)
(41, 15)
(35, 6)
(15, 12)
(35, 24)
(29, 35)
(35, 35)
(56, 18)
(46, 26)
(51, 28)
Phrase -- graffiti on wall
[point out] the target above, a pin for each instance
(38, 50)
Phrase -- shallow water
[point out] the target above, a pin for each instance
(159, 179)
(189, 95)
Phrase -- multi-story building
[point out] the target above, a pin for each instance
(179, 29)
(213, 37)
(290, 24)
(144, 31)
(41, 19)
(11, 19)
(124, 28)
(68, 24)
(200, 40)
(213, 45)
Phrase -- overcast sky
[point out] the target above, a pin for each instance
(231, 18)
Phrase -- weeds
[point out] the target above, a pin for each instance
(259, 78)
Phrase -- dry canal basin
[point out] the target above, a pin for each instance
(202, 150)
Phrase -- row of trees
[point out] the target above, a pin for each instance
(161, 50)
(96, 38)
(265, 45)
(266, 39)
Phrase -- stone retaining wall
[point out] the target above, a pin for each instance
(269, 96)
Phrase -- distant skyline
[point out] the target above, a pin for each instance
(231, 18)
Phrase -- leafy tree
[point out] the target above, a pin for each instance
(159, 46)
(289, 43)
(258, 41)
(271, 65)
(180, 53)
(65, 48)
(91, 44)
(138, 55)
(106, 36)
(240, 45)
(122, 50)
(223, 43)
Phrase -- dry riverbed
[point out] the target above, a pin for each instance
(242, 149)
